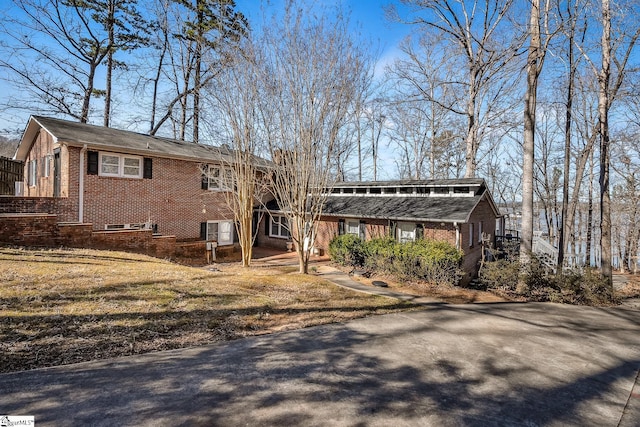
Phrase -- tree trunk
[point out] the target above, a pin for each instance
(86, 101)
(603, 116)
(470, 142)
(533, 69)
(107, 96)
(562, 232)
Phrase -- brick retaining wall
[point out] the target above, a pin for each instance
(44, 230)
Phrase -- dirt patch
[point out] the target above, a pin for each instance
(444, 293)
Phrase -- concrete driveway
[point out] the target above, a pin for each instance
(472, 365)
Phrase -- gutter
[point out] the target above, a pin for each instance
(81, 185)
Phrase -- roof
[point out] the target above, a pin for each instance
(428, 209)
(420, 209)
(104, 138)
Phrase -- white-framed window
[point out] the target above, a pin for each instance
(353, 227)
(480, 232)
(406, 232)
(471, 234)
(220, 231)
(33, 173)
(46, 166)
(220, 178)
(120, 165)
(279, 227)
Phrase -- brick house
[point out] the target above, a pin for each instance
(459, 211)
(118, 180)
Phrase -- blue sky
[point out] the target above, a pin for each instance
(367, 18)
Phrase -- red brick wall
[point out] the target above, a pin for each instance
(473, 254)
(12, 204)
(42, 152)
(28, 230)
(172, 199)
(43, 230)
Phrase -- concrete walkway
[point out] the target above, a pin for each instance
(447, 365)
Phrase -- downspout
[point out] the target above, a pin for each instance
(81, 186)
(457, 227)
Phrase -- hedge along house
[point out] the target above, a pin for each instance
(459, 211)
(117, 180)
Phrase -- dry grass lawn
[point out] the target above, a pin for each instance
(67, 306)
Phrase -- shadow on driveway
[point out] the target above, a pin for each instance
(472, 365)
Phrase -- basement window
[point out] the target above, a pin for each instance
(130, 226)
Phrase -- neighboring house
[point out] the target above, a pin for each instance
(459, 211)
(117, 179)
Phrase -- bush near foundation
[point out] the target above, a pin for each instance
(347, 250)
(534, 282)
(425, 259)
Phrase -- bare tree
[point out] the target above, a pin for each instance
(479, 32)
(61, 73)
(538, 43)
(420, 110)
(311, 76)
(236, 98)
(615, 53)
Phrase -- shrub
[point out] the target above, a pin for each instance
(347, 250)
(501, 275)
(380, 255)
(425, 259)
(537, 283)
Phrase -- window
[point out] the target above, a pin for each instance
(279, 227)
(46, 166)
(218, 179)
(33, 173)
(353, 227)
(219, 231)
(131, 226)
(406, 232)
(441, 190)
(480, 232)
(471, 234)
(119, 165)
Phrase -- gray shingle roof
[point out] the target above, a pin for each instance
(99, 137)
(427, 209)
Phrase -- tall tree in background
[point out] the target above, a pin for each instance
(535, 61)
(420, 107)
(477, 31)
(213, 26)
(126, 30)
(569, 19)
(311, 79)
(86, 34)
(616, 48)
(59, 74)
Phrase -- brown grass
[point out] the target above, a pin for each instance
(66, 306)
(444, 293)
